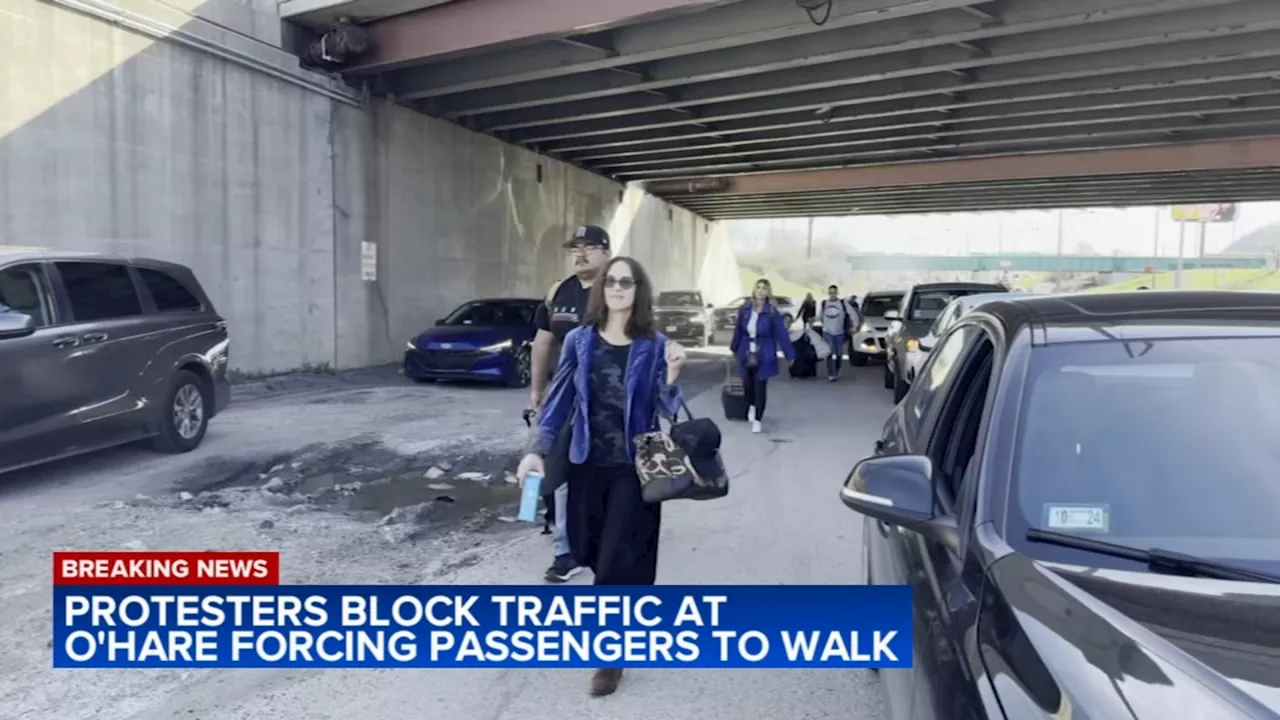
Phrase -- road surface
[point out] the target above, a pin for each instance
(331, 511)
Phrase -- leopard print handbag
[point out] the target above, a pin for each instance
(668, 472)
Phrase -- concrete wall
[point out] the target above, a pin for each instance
(267, 180)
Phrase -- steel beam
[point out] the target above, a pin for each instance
(465, 26)
(831, 45)
(1041, 138)
(743, 23)
(1231, 104)
(1261, 152)
(868, 59)
(926, 79)
(1103, 89)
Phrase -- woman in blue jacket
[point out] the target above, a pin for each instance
(757, 336)
(616, 376)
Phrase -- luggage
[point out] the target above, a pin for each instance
(806, 362)
(733, 396)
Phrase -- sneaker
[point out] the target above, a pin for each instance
(756, 427)
(751, 413)
(831, 378)
(562, 569)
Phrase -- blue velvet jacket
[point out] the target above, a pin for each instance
(648, 393)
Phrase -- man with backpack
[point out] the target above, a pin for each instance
(839, 320)
(563, 310)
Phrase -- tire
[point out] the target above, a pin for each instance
(184, 416)
(859, 359)
(888, 377)
(524, 369)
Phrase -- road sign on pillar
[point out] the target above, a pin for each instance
(1211, 212)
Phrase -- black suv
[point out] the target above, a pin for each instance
(97, 351)
(683, 317)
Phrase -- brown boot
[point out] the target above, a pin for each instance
(605, 681)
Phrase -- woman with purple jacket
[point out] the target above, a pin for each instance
(758, 335)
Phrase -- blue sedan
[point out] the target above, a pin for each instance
(487, 340)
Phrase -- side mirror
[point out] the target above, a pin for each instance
(892, 315)
(439, 322)
(898, 490)
(710, 306)
(14, 324)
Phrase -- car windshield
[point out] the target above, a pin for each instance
(680, 299)
(781, 300)
(493, 312)
(1164, 444)
(927, 305)
(877, 305)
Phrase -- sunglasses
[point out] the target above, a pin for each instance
(624, 283)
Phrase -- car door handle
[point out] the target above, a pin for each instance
(94, 337)
(66, 341)
(882, 527)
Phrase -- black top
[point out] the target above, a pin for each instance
(567, 306)
(606, 406)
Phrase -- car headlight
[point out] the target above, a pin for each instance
(411, 346)
(496, 347)
(912, 344)
(865, 328)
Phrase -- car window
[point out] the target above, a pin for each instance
(781, 300)
(168, 294)
(25, 289)
(738, 302)
(680, 299)
(99, 291)
(938, 371)
(947, 318)
(487, 312)
(927, 305)
(1167, 444)
(880, 304)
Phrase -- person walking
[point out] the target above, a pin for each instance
(620, 374)
(808, 311)
(563, 310)
(758, 334)
(838, 323)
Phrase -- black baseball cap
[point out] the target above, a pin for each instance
(589, 235)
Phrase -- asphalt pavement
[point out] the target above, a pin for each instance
(783, 523)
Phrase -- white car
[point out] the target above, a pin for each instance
(869, 339)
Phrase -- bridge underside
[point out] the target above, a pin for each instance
(675, 90)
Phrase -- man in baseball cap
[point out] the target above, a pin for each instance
(588, 248)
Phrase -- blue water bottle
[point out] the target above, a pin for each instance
(529, 497)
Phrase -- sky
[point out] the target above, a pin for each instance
(1141, 231)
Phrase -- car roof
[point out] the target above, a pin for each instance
(26, 253)
(993, 287)
(504, 299)
(884, 293)
(1137, 314)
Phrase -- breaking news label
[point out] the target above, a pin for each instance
(228, 610)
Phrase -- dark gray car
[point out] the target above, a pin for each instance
(97, 351)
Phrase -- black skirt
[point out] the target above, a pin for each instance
(611, 529)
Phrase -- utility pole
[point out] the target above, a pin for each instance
(808, 253)
(1182, 248)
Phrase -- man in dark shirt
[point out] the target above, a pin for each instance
(563, 311)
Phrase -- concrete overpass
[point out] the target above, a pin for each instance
(1048, 263)
(801, 107)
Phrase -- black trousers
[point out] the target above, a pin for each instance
(612, 530)
(756, 388)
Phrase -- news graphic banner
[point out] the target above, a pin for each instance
(227, 610)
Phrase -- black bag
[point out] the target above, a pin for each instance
(733, 396)
(683, 464)
(556, 463)
(806, 362)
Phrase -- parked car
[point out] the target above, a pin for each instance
(98, 350)
(869, 339)
(485, 340)
(920, 307)
(726, 315)
(917, 352)
(684, 317)
(1014, 491)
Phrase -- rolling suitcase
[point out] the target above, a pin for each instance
(733, 396)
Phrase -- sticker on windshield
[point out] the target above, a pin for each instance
(1094, 518)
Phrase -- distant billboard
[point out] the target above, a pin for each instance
(1211, 212)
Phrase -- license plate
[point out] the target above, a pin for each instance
(671, 328)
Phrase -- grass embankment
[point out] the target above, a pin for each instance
(1202, 279)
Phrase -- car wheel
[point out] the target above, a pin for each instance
(184, 417)
(524, 369)
(859, 359)
(888, 376)
(900, 387)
